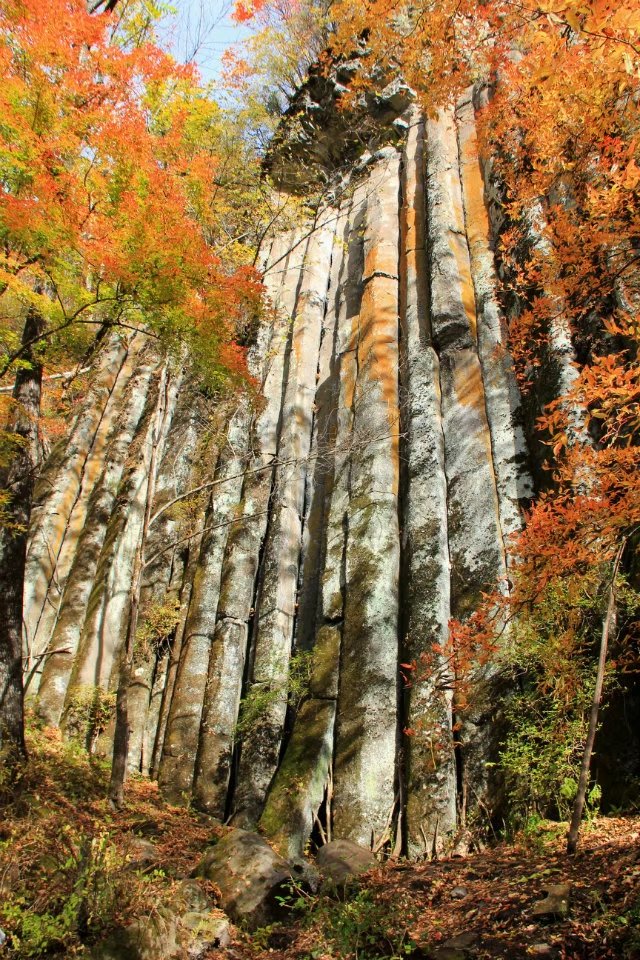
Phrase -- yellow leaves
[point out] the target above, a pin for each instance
(573, 20)
(544, 73)
(551, 6)
(631, 176)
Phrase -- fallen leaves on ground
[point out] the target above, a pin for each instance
(426, 909)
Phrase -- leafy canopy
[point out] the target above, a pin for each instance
(118, 204)
(561, 124)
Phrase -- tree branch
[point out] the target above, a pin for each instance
(578, 806)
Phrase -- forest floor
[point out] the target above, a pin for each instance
(72, 870)
(480, 906)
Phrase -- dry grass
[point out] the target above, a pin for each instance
(66, 871)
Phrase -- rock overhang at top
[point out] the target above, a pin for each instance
(331, 128)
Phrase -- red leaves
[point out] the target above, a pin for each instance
(109, 195)
(245, 10)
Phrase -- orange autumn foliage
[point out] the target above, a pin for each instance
(110, 212)
(245, 10)
(562, 126)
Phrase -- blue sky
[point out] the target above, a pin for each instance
(203, 30)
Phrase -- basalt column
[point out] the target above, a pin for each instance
(476, 541)
(166, 556)
(298, 788)
(97, 662)
(278, 589)
(201, 646)
(365, 761)
(428, 750)
(502, 397)
(63, 492)
(237, 600)
(79, 584)
(176, 776)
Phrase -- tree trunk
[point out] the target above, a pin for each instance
(17, 479)
(122, 728)
(578, 806)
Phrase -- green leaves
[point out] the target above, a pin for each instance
(120, 176)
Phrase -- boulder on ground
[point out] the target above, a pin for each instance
(207, 931)
(155, 938)
(340, 859)
(556, 904)
(142, 854)
(185, 928)
(250, 876)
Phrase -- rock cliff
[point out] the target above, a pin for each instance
(303, 548)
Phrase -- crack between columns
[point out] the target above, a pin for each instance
(257, 585)
(465, 214)
(457, 740)
(47, 601)
(403, 484)
(345, 515)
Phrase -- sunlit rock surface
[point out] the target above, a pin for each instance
(338, 524)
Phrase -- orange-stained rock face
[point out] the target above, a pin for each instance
(509, 450)
(378, 359)
(476, 218)
(469, 388)
(459, 249)
(318, 540)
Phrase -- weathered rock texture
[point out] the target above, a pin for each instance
(327, 534)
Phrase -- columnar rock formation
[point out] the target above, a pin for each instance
(327, 533)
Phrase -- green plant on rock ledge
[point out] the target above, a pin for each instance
(159, 623)
(88, 713)
(293, 689)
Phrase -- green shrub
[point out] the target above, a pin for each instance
(88, 713)
(259, 698)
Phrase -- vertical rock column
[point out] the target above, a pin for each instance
(364, 788)
(184, 739)
(319, 476)
(183, 729)
(236, 604)
(429, 766)
(207, 453)
(79, 584)
(277, 602)
(299, 784)
(66, 481)
(289, 814)
(166, 553)
(476, 547)
(330, 620)
(104, 628)
(510, 456)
